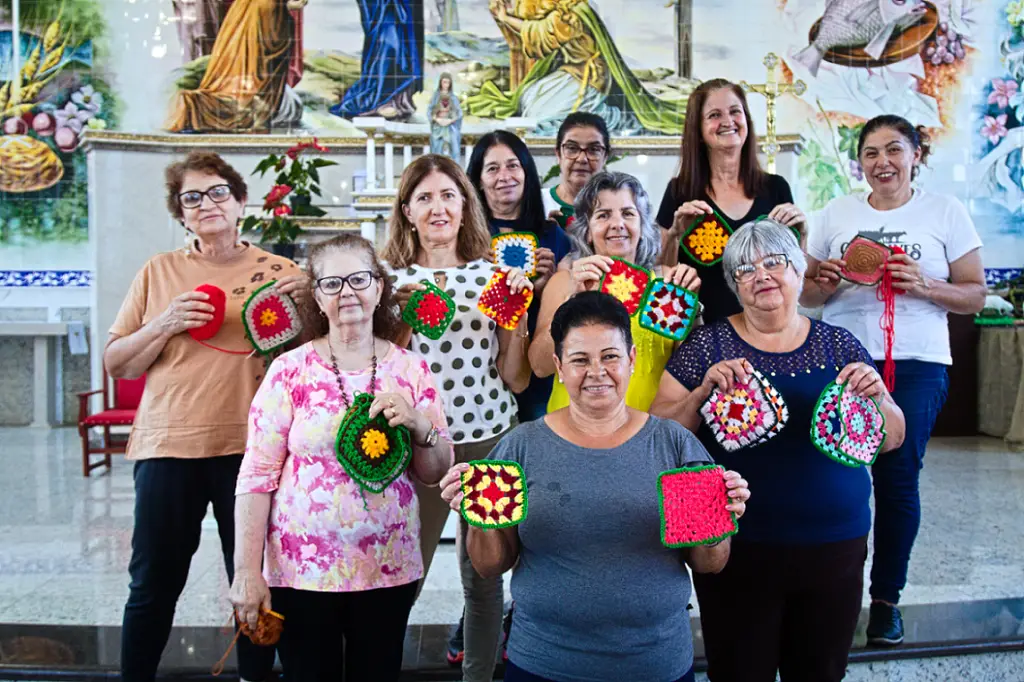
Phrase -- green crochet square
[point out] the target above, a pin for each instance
(372, 452)
(501, 482)
(704, 241)
(429, 311)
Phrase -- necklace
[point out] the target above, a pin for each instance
(341, 384)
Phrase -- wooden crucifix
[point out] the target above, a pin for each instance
(684, 36)
(771, 89)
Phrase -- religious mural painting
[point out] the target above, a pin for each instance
(58, 89)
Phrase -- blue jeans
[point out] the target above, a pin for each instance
(921, 389)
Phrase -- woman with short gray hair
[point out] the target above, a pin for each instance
(613, 220)
(802, 548)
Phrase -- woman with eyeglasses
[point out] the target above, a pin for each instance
(189, 432)
(796, 568)
(582, 147)
(341, 563)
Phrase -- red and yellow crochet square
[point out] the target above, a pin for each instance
(494, 494)
(271, 319)
(693, 512)
(742, 417)
(627, 282)
(499, 303)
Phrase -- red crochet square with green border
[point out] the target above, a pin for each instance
(628, 283)
(429, 311)
(693, 512)
(494, 494)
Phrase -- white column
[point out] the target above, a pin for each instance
(468, 151)
(371, 162)
(368, 231)
(41, 386)
(389, 164)
(16, 53)
(426, 149)
(406, 155)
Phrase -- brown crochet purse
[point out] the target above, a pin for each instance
(268, 630)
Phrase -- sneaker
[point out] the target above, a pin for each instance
(456, 647)
(885, 625)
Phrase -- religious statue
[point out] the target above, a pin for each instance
(445, 119)
(198, 23)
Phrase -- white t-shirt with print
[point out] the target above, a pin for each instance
(934, 230)
(464, 360)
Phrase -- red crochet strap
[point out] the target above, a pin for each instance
(886, 293)
(225, 350)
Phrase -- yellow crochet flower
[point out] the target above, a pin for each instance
(374, 443)
(622, 287)
(708, 241)
(268, 318)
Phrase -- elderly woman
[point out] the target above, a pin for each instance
(189, 432)
(796, 569)
(505, 177)
(581, 148)
(438, 233)
(939, 272)
(719, 171)
(613, 220)
(342, 562)
(598, 597)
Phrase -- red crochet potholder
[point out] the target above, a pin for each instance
(499, 303)
(865, 261)
(626, 282)
(693, 501)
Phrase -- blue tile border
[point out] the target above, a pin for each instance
(994, 276)
(46, 278)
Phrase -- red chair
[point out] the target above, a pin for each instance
(127, 394)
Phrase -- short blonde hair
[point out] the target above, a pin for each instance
(474, 240)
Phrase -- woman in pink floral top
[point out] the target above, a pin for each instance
(339, 561)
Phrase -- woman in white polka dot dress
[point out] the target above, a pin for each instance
(438, 233)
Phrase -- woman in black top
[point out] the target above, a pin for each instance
(719, 172)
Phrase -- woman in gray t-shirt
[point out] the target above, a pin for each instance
(598, 597)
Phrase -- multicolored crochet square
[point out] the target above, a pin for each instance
(864, 427)
(704, 242)
(865, 261)
(429, 311)
(777, 402)
(626, 282)
(827, 429)
(516, 250)
(270, 318)
(743, 416)
(693, 512)
(494, 494)
(669, 310)
(499, 303)
(372, 452)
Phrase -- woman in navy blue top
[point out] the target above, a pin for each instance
(796, 569)
(505, 175)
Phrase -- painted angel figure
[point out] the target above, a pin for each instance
(445, 119)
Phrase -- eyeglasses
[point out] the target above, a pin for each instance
(333, 284)
(194, 198)
(776, 262)
(571, 150)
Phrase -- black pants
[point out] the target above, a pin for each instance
(791, 609)
(171, 498)
(351, 636)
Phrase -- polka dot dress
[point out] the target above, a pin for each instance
(464, 360)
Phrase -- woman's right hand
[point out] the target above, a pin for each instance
(451, 486)
(188, 311)
(404, 293)
(829, 275)
(249, 593)
(687, 213)
(586, 273)
(726, 374)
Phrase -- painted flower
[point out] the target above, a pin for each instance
(1015, 12)
(1002, 92)
(276, 194)
(96, 124)
(994, 128)
(43, 124)
(282, 210)
(856, 170)
(72, 117)
(66, 139)
(88, 99)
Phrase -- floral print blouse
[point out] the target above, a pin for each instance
(321, 535)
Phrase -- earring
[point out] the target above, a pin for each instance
(188, 241)
(560, 379)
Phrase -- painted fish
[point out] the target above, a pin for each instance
(860, 23)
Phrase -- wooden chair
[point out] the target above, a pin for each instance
(126, 395)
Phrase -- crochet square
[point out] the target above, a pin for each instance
(270, 318)
(777, 402)
(743, 416)
(865, 261)
(626, 282)
(669, 310)
(499, 303)
(704, 241)
(516, 250)
(494, 494)
(372, 452)
(429, 312)
(692, 506)
(827, 428)
(863, 427)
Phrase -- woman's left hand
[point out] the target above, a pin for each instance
(296, 286)
(788, 214)
(683, 276)
(545, 268)
(739, 493)
(399, 412)
(906, 274)
(862, 379)
(517, 280)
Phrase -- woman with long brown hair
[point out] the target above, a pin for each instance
(719, 173)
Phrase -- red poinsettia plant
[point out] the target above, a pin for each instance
(298, 178)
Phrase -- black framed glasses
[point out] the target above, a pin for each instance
(333, 284)
(571, 150)
(194, 198)
(773, 263)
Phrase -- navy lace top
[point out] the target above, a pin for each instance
(797, 495)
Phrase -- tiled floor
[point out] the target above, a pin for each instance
(65, 540)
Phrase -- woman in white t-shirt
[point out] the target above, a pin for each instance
(940, 272)
(438, 233)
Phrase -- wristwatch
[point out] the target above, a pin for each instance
(431, 439)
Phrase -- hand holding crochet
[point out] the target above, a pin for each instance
(726, 374)
(296, 286)
(517, 279)
(188, 311)
(586, 273)
(683, 276)
(906, 275)
(788, 214)
(863, 379)
(404, 293)
(545, 268)
(249, 593)
(451, 486)
(399, 412)
(686, 214)
(829, 275)
(739, 493)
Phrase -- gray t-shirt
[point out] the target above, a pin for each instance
(598, 597)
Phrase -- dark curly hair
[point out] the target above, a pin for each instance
(917, 136)
(385, 317)
(201, 162)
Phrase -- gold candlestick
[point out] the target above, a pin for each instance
(772, 89)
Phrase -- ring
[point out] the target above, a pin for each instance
(391, 402)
